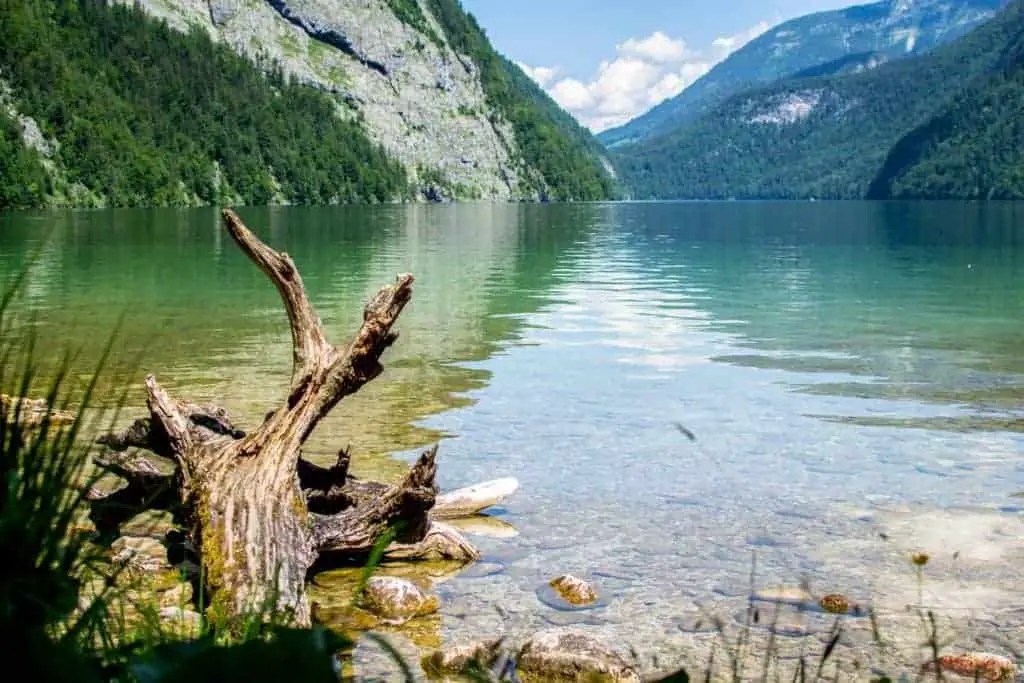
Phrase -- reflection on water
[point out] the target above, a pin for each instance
(893, 302)
(210, 326)
(837, 363)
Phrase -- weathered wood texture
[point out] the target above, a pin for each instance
(258, 513)
(471, 500)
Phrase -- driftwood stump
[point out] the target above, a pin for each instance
(258, 514)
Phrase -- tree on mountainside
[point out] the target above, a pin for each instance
(24, 183)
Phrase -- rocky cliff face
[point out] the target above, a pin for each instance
(391, 65)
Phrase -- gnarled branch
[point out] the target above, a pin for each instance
(356, 529)
(206, 422)
(337, 375)
(169, 416)
(321, 374)
(136, 469)
(309, 344)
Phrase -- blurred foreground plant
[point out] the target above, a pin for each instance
(56, 636)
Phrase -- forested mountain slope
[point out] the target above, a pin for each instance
(972, 149)
(184, 102)
(886, 30)
(824, 136)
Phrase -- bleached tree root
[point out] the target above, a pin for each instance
(472, 500)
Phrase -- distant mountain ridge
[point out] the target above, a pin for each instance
(891, 29)
(943, 124)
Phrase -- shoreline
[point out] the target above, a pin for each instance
(971, 614)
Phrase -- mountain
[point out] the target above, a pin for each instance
(824, 136)
(185, 102)
(972, 149)
(887, 30)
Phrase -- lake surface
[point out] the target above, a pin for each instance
(848, 369)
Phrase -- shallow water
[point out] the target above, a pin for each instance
(848, 369)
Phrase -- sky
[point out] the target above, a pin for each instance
(607, 61)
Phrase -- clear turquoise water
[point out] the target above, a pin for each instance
(839, 364)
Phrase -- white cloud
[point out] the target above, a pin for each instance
(643, 73)
(542, 74)
(657, 47)
(572, 95)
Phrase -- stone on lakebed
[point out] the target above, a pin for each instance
(980, 666)
(574, 590)
(397, 600)
(565, 654)
(456, 659)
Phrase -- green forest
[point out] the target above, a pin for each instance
(24, 182)
(853, 126)
(145, 115)
(973, 149)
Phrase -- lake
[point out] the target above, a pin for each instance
(853, 374)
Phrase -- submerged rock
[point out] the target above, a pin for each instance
(457, 658)
(348, 618)
(31, 412)
(140, 553)
(151, 524)
(790, 595)
(484, 525)
(178, 596)
(790, 628)
(181, 621)
(442, 542)
(571, 655)
(979, 666)
(574, 590)
(835, 603)
(397, 600)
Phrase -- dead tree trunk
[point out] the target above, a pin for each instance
(258, 513)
